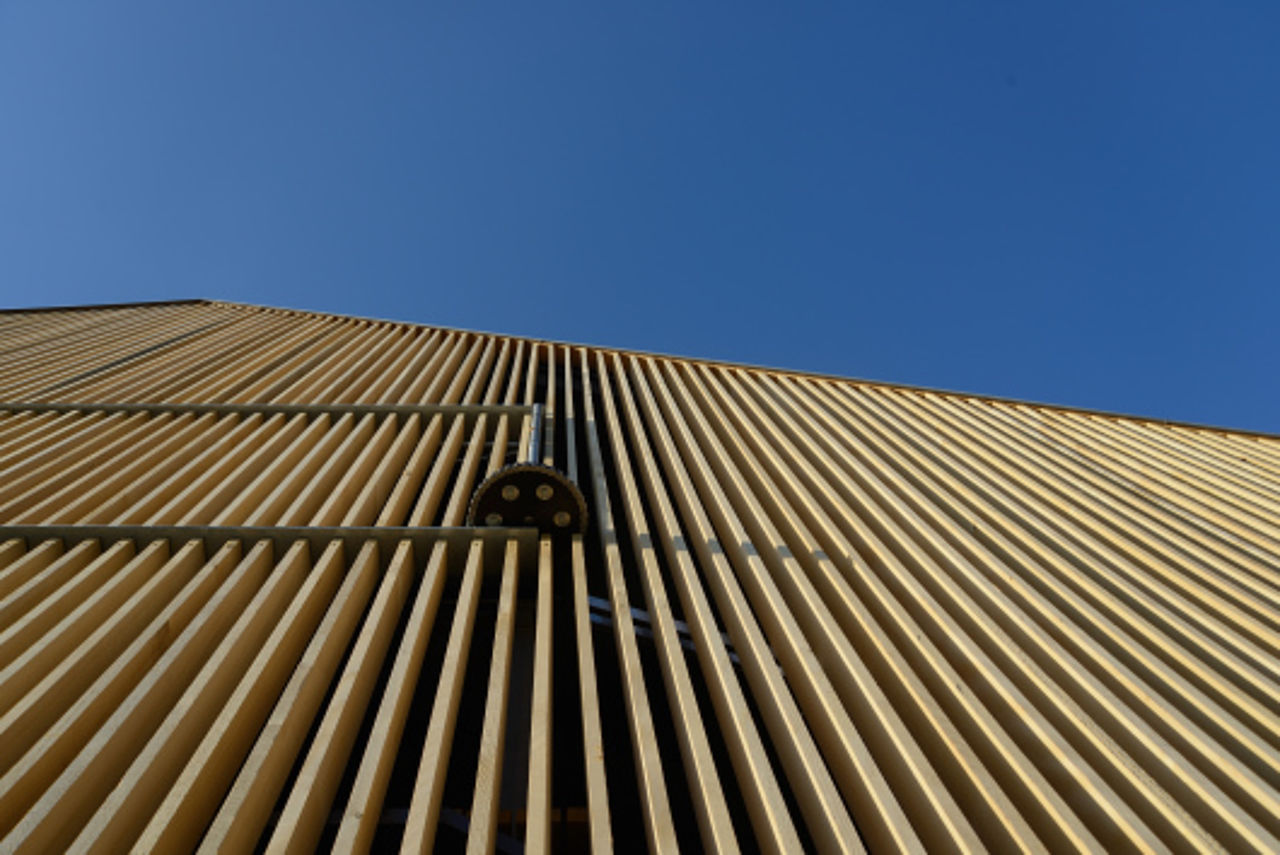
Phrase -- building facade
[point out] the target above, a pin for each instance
(277, 580)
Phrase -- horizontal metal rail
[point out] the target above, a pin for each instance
(458, 538)
(468, 411)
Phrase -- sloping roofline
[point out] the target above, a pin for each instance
(817, 375)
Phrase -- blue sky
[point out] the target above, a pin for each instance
(1074, 202)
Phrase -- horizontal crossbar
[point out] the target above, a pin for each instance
(458, 539)
(468, 411)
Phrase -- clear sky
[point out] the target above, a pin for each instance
(1067, 202)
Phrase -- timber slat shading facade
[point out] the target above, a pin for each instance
(242, 605)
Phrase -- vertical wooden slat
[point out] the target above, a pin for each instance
(216, 459)
(488, 774)
(654, 802)
(828, 819)
(537, 839)
(51, 577)
(62, 620)
(268, 631)
(704, 781)
(88, 762)
(364, 806)
(831, 562)
(27, 564)
(303, 649)
(792, 559)
(775, 832)
(598, 821)
(1049, 728)
(158, 605)
(428, 789)
(306, 811)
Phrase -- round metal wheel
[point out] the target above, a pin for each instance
(529, 494)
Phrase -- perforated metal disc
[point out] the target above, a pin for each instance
(529, 494)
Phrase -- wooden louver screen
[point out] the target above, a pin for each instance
(240, 608)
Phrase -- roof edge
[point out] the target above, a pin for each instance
(31, 310)
(816, 375)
